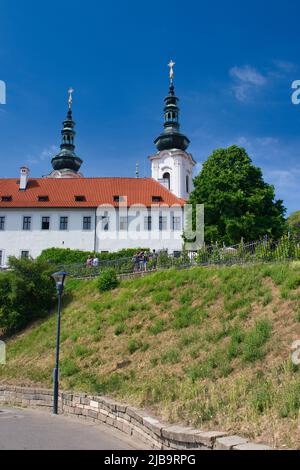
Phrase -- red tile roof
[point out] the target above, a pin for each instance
(96, 191)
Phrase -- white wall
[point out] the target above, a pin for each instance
(14, 240)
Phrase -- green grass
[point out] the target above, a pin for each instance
(210, 347)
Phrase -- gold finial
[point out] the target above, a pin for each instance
(70, 91)
(171, 65)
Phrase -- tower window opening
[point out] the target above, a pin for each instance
(187, 184)
(167, 178)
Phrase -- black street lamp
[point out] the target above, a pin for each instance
(59, 279)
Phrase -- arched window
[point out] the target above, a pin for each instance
(167, 177)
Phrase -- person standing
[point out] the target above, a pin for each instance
(154, 260)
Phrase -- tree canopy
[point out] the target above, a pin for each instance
(238, 202)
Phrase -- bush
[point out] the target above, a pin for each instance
(66, 256)
(27, 293)
(108, 280)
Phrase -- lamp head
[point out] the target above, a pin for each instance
(59, 279)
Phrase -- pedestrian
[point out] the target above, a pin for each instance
(135, 261)
(154, 260)
(95, 261)
(141, 261)
(89, 262)
(145, 261)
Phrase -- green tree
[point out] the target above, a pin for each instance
(238, 203)
(293, 224)
(27, 293)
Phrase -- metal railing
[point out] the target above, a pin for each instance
(262, 251)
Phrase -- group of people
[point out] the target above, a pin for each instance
(92, 262)
(142, 259)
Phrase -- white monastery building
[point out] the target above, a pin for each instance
(67, 210)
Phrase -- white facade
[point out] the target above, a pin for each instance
(174, 169)
(23, 231)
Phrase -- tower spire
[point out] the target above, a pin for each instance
(171, 65)
(67, 158)
(171, 138)
(70, 101)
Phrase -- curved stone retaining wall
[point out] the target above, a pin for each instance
(132, 421)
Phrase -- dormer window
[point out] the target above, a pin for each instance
(156, 199)
(80, 198)
(119, 198)
(6, 198)
(43, 198)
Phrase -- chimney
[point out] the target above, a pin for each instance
(24, 178)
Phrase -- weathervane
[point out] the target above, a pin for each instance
(70, 91)
(171, 65)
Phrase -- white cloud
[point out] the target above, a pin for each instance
(247, 79)
(284, 180)
(45, 154)
(248, 75)
(285, 66)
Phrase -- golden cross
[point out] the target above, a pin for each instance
(70, 91)
(171, 65)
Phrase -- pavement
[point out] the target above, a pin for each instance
(24, 429)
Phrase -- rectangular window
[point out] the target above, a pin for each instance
(2, 223)
(176, 223)
(87, 223)
(163, 223)
(24, 254)
(1, 258)
(26, 223)
(148, 224)
(123, 223)
(63, 223)
(45, 223)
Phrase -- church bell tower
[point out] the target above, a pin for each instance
(173, 166)
(67, 164)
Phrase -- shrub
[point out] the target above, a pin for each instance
(27, 293)
(108, 280)
(66, 256)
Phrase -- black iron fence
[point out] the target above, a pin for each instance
(265, 250)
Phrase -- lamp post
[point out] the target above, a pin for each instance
(59, 279)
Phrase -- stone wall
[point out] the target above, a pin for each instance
(132, 421)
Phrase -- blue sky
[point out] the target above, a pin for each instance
(234, 67)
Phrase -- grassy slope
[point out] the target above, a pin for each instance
(208, 347)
